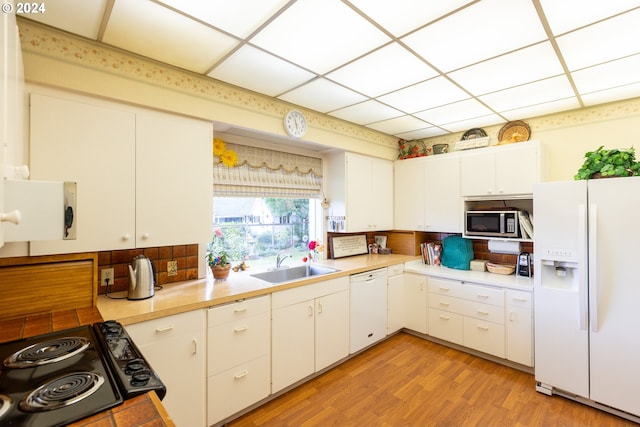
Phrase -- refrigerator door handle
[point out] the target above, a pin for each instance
(583, 295)
(593, 267)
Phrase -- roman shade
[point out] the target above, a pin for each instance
(262, 172)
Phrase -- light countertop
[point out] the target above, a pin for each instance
(202, 293)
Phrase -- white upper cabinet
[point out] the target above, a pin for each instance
(427, 193)
(360, 189)
(143, 178)
(501, 170)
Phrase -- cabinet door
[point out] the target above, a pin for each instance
(477, 174)
(381, 194)
(517, 169)
(331, 329)
(415, 287)
(175, 348)
(409, 186)
(292, 344)
(358, 193)
(443, 204)
(519, 323)
(95, 147)
(395, 303)
(174, 162)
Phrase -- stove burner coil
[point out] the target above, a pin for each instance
(47, 352)
(62, 391)
(5, 404)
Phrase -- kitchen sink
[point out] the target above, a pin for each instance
(288, 274)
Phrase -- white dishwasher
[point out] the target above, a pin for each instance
(368, 303)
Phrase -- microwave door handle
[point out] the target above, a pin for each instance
(502, 224)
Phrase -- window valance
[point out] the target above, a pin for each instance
(257, 157)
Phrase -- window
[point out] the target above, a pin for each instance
(255, 229)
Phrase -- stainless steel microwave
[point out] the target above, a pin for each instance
(492, 223)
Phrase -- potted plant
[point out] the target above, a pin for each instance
(218, 258)
(603, 163)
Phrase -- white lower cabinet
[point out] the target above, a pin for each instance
(175, 348)
(238, 356)
(395, 299)
(519, 324)
(415, 296)
(309, 330)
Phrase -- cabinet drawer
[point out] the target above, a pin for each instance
(235, 389)
(236, 342)
(303, 293)
(487, 337)
(446, 326)
(167, 328)
(238, 310)
(395, 269)
(481, 311)
(446, 303)
(451, 288)
(484, 294)
(519, 299)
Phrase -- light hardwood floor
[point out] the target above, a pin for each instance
(408, 381)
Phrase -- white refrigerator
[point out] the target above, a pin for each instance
(587, 291)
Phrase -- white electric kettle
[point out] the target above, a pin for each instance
(141, 280)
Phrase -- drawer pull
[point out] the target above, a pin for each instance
(241, 375)
(482, 295)
(241, 328)
(482, 312)
(443, 317)
(443, 288)
(446, 304)
(484, 328)
(239, 309)
(520, 299)
(165, 329)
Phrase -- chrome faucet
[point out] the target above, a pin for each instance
(280, 258)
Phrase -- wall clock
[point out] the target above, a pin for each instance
(295, 123)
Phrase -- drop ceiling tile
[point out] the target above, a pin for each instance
(542, 109)
(84, 20)
(458, 111)
(399, 125)
(151, 30)
(319, 35)
(608, 75)
(387, 69)
(239, 17)
(567, 15)
(422, 96)
(481, 31)
(254, 69)
(366, 112)
(523, 66)
(605, 41)
(322, 95)
(610, 95)
(538, 92)
(476, 122)
(401, 16)
(429, 132)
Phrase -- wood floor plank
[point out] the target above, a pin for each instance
(406, 381)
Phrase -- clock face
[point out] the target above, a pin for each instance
(295, 123)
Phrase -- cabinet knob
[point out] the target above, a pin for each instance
(13, 217)
(126, 237)
(145, 236)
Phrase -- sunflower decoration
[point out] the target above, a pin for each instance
(227, 157)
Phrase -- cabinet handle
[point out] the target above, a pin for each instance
(484, 328)
(165, 329)
(520, 299)
(319, 308)
(241, 375)
(445, 317)
(239, 309)
(446, 304)
(444, 289)
(482, 296)
(482, 312)
(310, 310)
(241, 328)
(195, 347)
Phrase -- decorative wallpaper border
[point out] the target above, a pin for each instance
(42, 40)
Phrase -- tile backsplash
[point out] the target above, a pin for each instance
(170, 263)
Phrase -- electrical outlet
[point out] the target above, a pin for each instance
(172, 268)
(106, 273)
